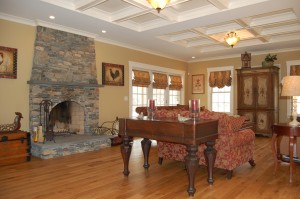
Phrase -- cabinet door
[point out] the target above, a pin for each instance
(262, 91)
(263, 122)
(249, 114)
(247, 92)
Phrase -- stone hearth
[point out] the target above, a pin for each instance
(70, 144)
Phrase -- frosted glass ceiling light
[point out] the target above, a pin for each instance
(232, 39)
(158, 4)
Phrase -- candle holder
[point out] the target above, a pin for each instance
(151, 109)
(194, 107)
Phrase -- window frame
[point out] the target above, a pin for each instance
(209, 89)
(151, 69)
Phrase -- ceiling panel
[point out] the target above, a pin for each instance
(184, 29)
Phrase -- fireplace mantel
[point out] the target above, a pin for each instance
(63, 84)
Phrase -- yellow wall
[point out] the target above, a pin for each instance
(14, 93)
(112, 101)
(201, 68)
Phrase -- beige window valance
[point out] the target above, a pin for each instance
(295, 70)
(220, 79)
(141, 78)
(176, 82)
(160, 81)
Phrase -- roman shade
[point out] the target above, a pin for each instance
(141, 78)
(220, 79)
(160, 81)
(295, 70)
(176, 82)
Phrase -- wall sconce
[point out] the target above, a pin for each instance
(290, 87)
(232, 39)
(158, 4)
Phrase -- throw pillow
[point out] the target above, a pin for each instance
(237, 122)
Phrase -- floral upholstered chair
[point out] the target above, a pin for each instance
(235, 144)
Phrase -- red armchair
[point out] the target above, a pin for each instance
(235, 144)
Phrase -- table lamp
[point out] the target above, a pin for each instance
(290, 87)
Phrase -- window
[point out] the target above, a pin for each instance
(153, 82)
(174, 97)
(221, 99)
(159, 96)
(220, 92)
(139, 97)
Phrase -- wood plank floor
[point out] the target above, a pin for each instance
(99, 174)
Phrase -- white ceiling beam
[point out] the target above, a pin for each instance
(220, 4)
(83, 5)
(253, 31)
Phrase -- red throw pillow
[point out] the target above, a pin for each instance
(237, 122)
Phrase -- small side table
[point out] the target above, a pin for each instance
(283, 129)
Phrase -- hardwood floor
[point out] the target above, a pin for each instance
(99, 174)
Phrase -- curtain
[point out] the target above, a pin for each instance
(160, 81)
(295, 70)
(141, 78)
(220, 79)
(176, 83)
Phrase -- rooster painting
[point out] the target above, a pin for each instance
(112, 74)
(115, 74)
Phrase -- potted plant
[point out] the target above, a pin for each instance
(269, 60)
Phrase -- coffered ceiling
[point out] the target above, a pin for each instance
(184, 29)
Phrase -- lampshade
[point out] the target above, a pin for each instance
(232, 39)
(290, 86)
(158, 4)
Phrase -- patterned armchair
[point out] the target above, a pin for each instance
(235, 144)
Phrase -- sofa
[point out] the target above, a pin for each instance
(234, 146)
(178, 107)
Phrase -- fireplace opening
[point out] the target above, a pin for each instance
(67, 117)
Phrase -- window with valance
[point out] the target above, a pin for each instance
(220, 79)
(160, 81)
(176, 82)
(295, 70)
(141, 78)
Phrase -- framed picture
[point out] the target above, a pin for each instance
(8, 62)
(112, 74)
(198, 84)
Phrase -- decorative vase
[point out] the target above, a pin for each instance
(266, 64)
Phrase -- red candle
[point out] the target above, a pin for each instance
(195, 105)
(151, 104)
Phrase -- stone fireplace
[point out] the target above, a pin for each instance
(64, 71)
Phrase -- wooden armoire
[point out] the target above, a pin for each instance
(258, 95)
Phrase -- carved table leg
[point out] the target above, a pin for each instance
(210, 157)
(146, 145)
(274, 151)
(191, 163)
(126, 151)
(291, 153)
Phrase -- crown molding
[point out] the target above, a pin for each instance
(252, 53)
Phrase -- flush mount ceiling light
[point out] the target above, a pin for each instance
(158, 4)
(232, 39)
